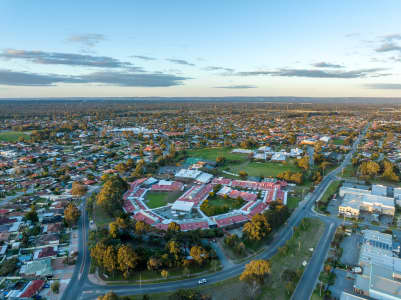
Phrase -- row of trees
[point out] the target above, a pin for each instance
(296, 177)
(369, 169)
(110, 196)
(124, 259)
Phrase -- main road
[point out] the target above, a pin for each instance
(80, 287)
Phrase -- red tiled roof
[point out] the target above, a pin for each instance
(46, 252)
(175, 186)
(141, 217)
(257, 209)
(32, 288)
(194, 225)
(234, 194)
(231, 220)
(196, 193)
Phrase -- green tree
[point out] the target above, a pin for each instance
(199, 254)
(78, 189)
(32, 215)
(110, 196)
(71, 214)
(55, 287)
(127, 260)
(257, 228)
(256, 270)
(110, 259)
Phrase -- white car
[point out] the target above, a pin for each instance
(202, 281)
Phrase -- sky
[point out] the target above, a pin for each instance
(203, 48)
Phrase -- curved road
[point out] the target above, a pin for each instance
(81, 288)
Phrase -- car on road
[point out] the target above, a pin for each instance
(202, 281)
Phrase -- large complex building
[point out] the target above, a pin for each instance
(186, 209)
(381, 267)
(375, 201)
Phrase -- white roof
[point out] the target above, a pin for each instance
(278, 156)
(165, 182)
(224, 190)
(186, 173)
(325, 139)
(204, 177)
(182, 205)
(244, 151)
(265, 148)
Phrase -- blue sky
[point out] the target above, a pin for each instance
(200, 48)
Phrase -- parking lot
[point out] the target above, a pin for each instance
(351, 246)
(344, 282)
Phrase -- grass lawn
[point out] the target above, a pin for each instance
(292, 202)
(349, 171)
(298, 251)
(316, 296)
(220, 201)
(330, 191)
(158, 199)
(265, 169)
(102, 218)
(338, 142)
(225, 285)
(213, 153)
(274, 287)
(217, 205)
(13, 136)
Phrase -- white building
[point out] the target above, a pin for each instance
(378, 189)
(357, 200)
(182, 206)
(381, 269)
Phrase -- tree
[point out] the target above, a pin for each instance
(257, 228)
(127, 260)
(140, 227)
(187, 294)
(199, 254)
(173, 227)
(110, 259)
(110, 196)
(388, 171)
(256, 270)
(243, 174)
(303, 162)
(108, 296)
(324, 165)
(164, 274)
(113, 230)
(71, 214)
(32, 215)
(78, 189)
(174, 249)
(154, 264)
(55, 287)
(8, 266)
(220, 160)
(369, 168)
(97, 253)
